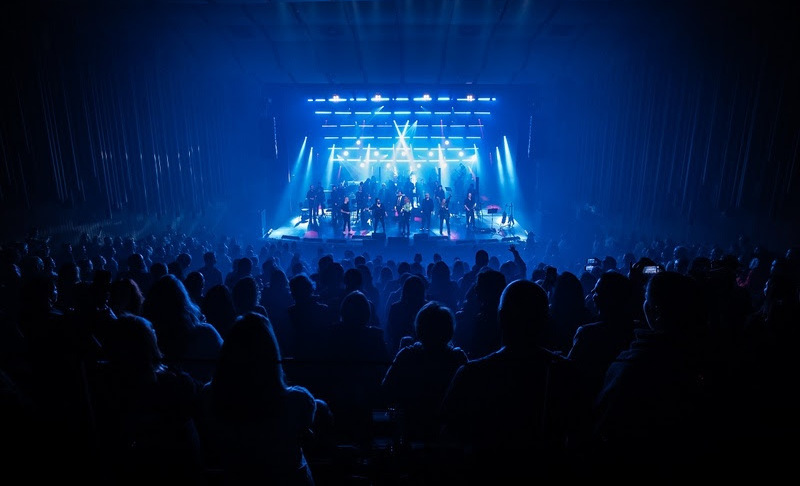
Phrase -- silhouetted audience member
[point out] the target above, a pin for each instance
(357, 361)
(276, 299)
(596, 345)
(254, 425)
(218, 308)
(469, 278)
(496, 409)
(246, 296)
(144, 411)
(137, 271)
(194, 286)
(420, 374)
(567, 312)
(242, 267)
(651, 415)
(308, 319)
(211, 274)
(187, 342)
(442, 288)
(125, 297)
(764, 415)
(61, 351)
(157, 270)
(477, 331)
(402, 314)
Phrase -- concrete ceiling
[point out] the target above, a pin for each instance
(381, 42)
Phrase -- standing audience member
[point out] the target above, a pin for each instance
(496, 411)
(403, 313)
(357, 360)
(596, 345)
(477, 330)
(567, 311)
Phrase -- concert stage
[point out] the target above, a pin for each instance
(490, 230)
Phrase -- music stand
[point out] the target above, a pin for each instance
(493, 212)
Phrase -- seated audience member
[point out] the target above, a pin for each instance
(253, 424)
(218, 308)
(308, 319)
(650, 414)
(495, 410)
(144, 410)
(184, 338)
(420, 373)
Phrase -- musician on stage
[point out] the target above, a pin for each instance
(469, 211)
(426, 205)
(439, 195)
(361, 200)
(345, 212)
(378, 215)
(311, 197)
(444, 215)
(405, 217)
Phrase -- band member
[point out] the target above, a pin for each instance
(311, 196)
(378, 215)
(335, 203)
(345, 213)
(398, 205)
(319, 206)
(361, 200)
(469, 211)
(427, 209)
(439, 195)
(444, 215)
(405, 216)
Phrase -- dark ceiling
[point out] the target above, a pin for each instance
(382, 42)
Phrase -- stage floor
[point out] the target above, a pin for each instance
(488, 229)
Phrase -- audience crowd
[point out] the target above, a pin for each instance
(211, 361)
